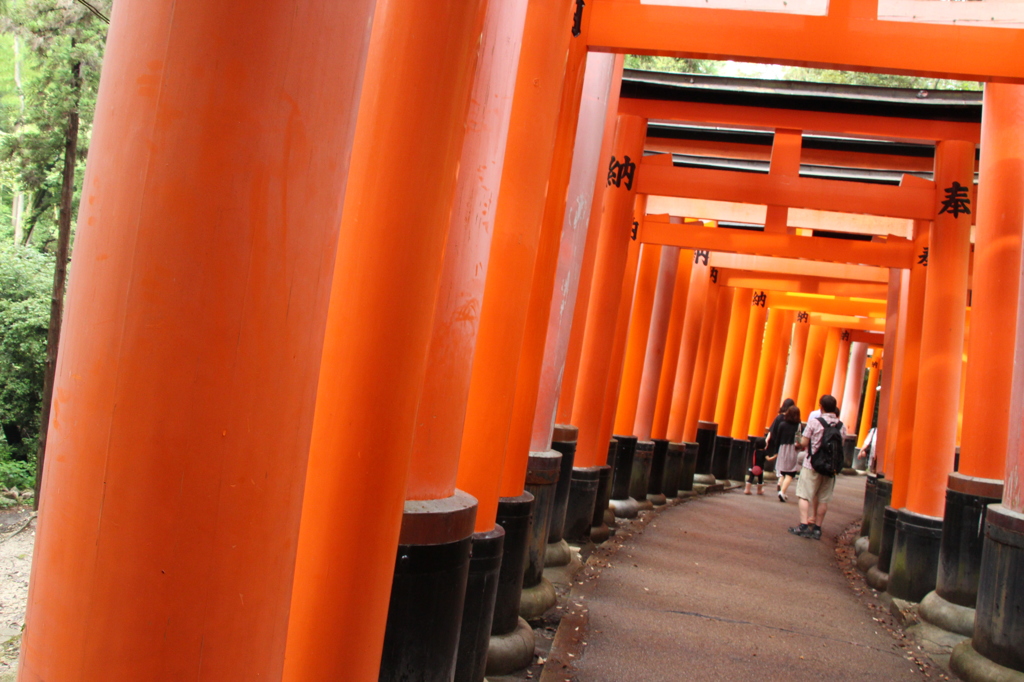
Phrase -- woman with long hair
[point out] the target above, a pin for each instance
(772, 439)
(787, 465)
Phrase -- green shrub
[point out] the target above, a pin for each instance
(20, 475)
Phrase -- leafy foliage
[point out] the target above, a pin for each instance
(671, 64)
(20, 475)
(25, 281)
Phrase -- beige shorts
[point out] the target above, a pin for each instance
(812, 485)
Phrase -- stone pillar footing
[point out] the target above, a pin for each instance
(870, 488)
(557, 554)
(514, 516)
(511, 651)
(639, 480)
(673, 469)
(946, 615)
(563, 441)
(625, 509)
(689, 467)
(720, 458)
(967, 664)
(883, 496)
(579, 510)
(914, 565)
(542, 476)
(599, 530)
(537, 599)
(739, 460)
(657, 500)
(705, 437)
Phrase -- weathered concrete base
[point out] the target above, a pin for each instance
(866, 561)
(703, 479)
(947, 615)
(645, 504)
(599, 534)
(512, 651)
(877, 579)
(657, 500)
(537, 599)
(684, 494)
(861, 545)
(609, 518)
(563, 575)
(935, 641)
(557, 554)
(971, 666)
(625, 509)
(770, 476)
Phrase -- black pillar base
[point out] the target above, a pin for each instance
(883, 496)
(541, 481)
(421, 637)
(673, 468)
(514, 516)
(599, 530)
(720, 458)
(914, 565)
(639, 480)
(849, 445)
(579, 511)
(706, 433)
(563, 441)
(623, 506)
(686, 471)
(478, 610)
(739, 460)
(999, 623)
(963, 536)
(878, 575)
(655, 484)
(869, 504)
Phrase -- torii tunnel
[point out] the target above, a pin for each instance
(362, 291)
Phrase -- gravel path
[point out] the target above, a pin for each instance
(17, 536)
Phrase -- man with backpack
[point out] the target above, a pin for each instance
(823, 440)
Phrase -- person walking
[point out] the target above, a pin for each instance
(788, 463)
(814, 489)
(755, 474)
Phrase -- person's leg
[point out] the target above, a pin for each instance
(819, 517)
(786, 481)
(805, 516)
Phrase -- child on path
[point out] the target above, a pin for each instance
(755, 474)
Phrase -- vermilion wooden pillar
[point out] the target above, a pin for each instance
(748, 374)
(719, 337)
(797, 350)
(656, 341)
(673, 339)
(576, 236)
(517, 232)
(416, 112)
(712, 311)
(910, 349)
(725, 407)
(606, 289)
(186, 379)
(766, 369)
(987, 385)
(567, 392)
(842, 364)
(829, 360)
(850, 413)
(883, 462)
(781, 368)
(810, 372)
(870, 396)
(915, 553)
(695, 309)
(636, 341)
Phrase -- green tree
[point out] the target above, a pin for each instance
(648, 62)
(882, 80)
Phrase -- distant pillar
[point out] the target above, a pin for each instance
(716, 359)
(712, 311)
(673, 339)
(656, 342)
(807, 399)
(636, 341)
(781, 368)
(732, 364)
(854, 385)
(766, 369)
(795, 364)
(883, 463)
(696, 307)
(867, 414)
(915, 553)
(829, 361)
(842, 365)
(748, 374)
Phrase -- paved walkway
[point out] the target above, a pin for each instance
(716, 589)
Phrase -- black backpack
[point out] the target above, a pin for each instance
(828, 459)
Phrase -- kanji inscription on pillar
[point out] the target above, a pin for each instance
(633, 230)
(714, 275)
(846, 335)
(802, 316)
(577, 19)
(760, 299)
(922, 258)
(957, 200)
(700, 254)
(621, 172)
